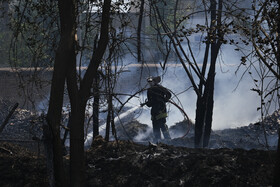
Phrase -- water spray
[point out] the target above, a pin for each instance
(118, 118)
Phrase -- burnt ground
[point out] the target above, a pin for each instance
(20, 167)
(125, 163)
(236, 157)
(130, 164)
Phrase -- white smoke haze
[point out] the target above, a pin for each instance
(233, 107)
(235, 104)
(143, 135)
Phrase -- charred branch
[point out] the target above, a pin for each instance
(5, 122)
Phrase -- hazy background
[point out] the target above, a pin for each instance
(234, 103)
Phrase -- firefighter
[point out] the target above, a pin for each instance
(157, 96)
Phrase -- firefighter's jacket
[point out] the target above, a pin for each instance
(157, 97)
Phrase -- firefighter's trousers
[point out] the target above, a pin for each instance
(160, 126)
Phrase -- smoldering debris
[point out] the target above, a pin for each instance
(128, 163)
(261, 136)
(23, 125)
(125, 163)
(181, 129)
(134, 131)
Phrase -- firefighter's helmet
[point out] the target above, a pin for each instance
(155, 80)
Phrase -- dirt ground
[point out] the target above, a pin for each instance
(125, 163)
(19, 167)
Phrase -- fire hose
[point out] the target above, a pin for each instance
(185, 115)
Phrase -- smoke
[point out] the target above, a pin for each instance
(143, 135)
(234, 103)
(233, 106)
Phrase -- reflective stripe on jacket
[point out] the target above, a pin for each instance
(161, 115)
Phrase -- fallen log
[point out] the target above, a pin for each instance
(8, 117)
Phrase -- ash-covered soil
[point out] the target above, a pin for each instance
(20, 167)
(125, 163)
(259, 135)
(235, 157)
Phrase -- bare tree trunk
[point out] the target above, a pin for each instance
(114, 132)
(79, 98)
(66, 131)
(139, 31)
(76, 126)
(199, 121)
(276, 179)
(95, 106)
(209, 106)
(53, 119)
(77, 163)
(215, 47)
(205, 103)
(67, 21)
(48, 148)
(109, 117)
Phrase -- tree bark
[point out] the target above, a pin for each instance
(109, 117)
(54, 116)
(276, 179)
(215, 47)
(67, 21)
(209, 106)
(76, 125)
(205, 103)
(79, 97)
(199, 121)
(48, 148)
(95, 107)
(139, 31)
